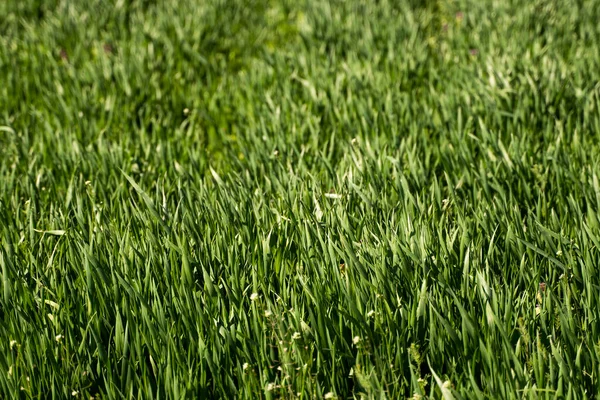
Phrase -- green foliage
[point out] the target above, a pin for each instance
(227, 199)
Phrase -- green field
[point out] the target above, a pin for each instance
(299, 199)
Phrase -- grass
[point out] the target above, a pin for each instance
(299, 199)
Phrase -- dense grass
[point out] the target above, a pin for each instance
(260, 199)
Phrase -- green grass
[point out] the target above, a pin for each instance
(299, 199)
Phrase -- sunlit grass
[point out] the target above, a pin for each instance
(227, 199)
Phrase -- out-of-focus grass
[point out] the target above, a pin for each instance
(299, 199)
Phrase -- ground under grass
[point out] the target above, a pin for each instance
(299, 199)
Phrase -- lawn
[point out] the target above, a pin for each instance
(299, 199)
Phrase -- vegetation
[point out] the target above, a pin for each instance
(299, 199)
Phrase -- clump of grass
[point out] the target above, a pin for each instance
(299, 199)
